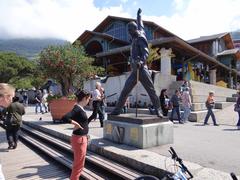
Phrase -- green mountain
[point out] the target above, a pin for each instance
(28, 48)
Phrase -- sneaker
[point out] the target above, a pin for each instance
(205, 124)
(158, 113)
(216, 124)
(150, 110)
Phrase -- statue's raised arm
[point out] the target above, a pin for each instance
(139, 21)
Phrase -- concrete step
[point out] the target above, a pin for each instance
(222, 105)
(198, 116)
(203, 98)
(202, 106)
(235, 95)
(231, 99)
(199, 88)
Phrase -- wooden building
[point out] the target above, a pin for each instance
(109, 44)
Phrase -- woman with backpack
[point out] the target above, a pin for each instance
(13, 122)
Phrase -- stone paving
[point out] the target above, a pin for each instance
(209, 147)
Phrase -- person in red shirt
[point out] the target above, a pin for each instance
(210, 105)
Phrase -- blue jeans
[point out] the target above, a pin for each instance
(36, 107)
(186, 113)
(238, 124)
(177, 110)
(210, 113)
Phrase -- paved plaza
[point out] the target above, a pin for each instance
(209, 146)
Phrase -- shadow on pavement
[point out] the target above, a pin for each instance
(231, 129)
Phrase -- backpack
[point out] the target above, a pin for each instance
(14, 119)
(236, 108)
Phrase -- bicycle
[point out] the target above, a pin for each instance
(182, 174)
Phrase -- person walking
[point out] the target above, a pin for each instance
(38, 101)
(25, 99)
(210, 105)
(97, 103)
(13, 122)
(238, 105)
(164, 102)
(103, 103)
(78, 117)
(7, 92)
(175, 101)
(186, 103)
(44, 100)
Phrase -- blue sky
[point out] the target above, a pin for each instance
(68, 19)
(150, 7)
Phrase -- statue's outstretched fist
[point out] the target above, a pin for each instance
(139, 11)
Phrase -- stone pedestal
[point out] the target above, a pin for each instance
(144, 131)
(212, 75)
(166, 61)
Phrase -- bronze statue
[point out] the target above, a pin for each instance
(139, 55)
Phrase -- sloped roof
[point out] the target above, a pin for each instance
(235, 52)
(207, 38)
(173, 42)
(226, 36)
(89, 34)
(109, 19)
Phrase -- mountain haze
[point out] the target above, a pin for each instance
(28, 48)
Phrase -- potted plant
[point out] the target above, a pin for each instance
(67, 64)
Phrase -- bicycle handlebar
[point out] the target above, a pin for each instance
(179, 160)
(234, 177)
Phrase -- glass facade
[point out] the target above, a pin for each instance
(118, 29)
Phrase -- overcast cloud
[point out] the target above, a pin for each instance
(67, 19)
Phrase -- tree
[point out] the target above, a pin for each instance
(66, 64)
(154, 55)
(14, 69)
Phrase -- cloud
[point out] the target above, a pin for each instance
(178, 4)
(201, 18)
(65, 19)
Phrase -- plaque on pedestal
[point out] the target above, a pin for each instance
(143, 131)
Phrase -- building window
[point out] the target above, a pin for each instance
(117, 30)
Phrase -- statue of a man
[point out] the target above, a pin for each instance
(139, 55)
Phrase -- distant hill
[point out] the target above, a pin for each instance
(28, 48)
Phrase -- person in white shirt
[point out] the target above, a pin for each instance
(97, 102)
(186, 103)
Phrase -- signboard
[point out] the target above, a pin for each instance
(134, 134)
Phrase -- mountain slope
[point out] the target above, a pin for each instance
(29, 48)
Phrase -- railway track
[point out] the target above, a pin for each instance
(96, 166)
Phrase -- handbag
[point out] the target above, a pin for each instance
(209, 105)
(236, 108)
